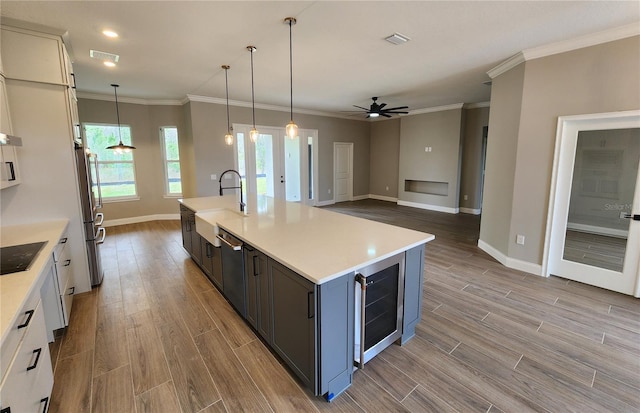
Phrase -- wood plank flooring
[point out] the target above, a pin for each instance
(156, 336)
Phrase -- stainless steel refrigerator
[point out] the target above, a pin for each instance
(91, 199)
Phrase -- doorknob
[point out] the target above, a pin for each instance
(635, 217)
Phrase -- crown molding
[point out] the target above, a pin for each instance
(436, 109)
(564, 46)
(287, 109)
(137, 101)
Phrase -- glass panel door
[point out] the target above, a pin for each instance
(595, 206)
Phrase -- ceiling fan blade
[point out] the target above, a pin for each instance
(385, 115)
(397, 108)
(360, 107)
(382, 105)
(401, 112)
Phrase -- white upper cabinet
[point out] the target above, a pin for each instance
(33, 56)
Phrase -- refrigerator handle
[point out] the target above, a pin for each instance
(99, 205)
(104, 235)
(100, 217)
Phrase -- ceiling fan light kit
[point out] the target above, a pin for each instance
(379, 109)
(120, 147)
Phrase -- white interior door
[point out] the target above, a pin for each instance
(343, 171)
(594, 238)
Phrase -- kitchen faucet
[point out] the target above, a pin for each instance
(242, 204)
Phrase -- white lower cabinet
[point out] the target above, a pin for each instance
(26, 387)
(58, 289)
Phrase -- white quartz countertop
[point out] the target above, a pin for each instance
(318, 244)
(16, 287)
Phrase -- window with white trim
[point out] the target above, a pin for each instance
(171, 160)
(117, 171)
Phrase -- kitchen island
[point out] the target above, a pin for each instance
(293, 278)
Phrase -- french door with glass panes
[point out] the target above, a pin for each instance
(595, 201)
(277, 166)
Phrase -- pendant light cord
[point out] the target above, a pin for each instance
(253, 104)
(291, 66)
(226, 81)
(115, 92)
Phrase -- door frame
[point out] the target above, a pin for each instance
(350, 179)
(566, 140)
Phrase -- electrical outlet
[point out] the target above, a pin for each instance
(520, 239)
(329, 190)
(387, 188)
(466, 197)
(214, 177)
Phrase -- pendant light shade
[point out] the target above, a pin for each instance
(228, 138)
(120, 147)
(291, 128)
(253, 134)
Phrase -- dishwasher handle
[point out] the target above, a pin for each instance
(235, 247)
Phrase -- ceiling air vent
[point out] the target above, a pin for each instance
(104, 56)
(397, 38)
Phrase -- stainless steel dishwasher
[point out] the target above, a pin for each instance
(233, 277)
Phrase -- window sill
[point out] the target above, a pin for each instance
(172, 196)
(115, 200)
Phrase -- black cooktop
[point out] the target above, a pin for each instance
(18, 258)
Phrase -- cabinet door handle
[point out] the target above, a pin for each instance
(12, 172)
(256, 266)
(46, 404)
(73, 290)
(66, 263)
(310, 306)
(26, 323)
(63, 240)
(73, 76)
(37, 352)
(208, 249)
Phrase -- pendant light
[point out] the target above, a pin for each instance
(253, 134)
(228, 138)
(120, 147)
(291, 128)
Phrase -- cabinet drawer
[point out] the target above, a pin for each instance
(59, 249)
(30, 377)
(66, 299)
(63, 269)
(18, 329)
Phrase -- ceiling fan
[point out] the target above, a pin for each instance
(377, 109)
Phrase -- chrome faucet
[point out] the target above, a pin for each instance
(242, 204)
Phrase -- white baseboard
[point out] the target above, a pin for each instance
(531, 268)
(325, 203)
(383, 198)
(592, 229)
(360, 197)
(472, 211)
(438, 208)
(135, 220)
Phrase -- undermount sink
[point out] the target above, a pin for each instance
(207, 226)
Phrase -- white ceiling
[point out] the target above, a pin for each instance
(171, 49)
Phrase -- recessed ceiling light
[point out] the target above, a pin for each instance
(397, 38)
(109, 33)
(109, 63)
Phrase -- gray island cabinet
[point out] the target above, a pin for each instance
(299, 278)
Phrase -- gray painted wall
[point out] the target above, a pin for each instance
(471, 173)
(385, 152)
(145, 122)
(597, 79)
(213, 156)
(442, 132)
(504, 122)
